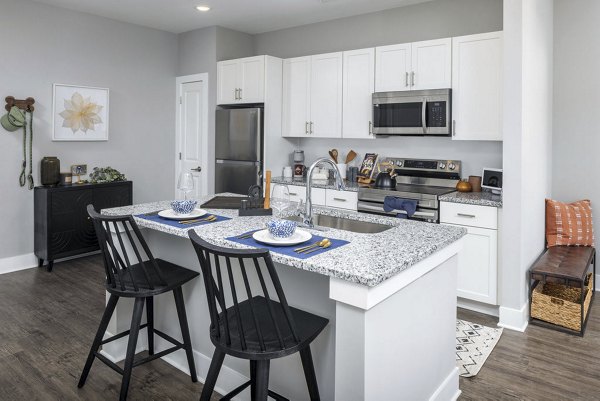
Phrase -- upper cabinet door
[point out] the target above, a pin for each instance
(252, 80)
(227, 81)
(477, 87)
(393, 67)
(326, 95)
(431, 64)
(296, 97)
(359, 84)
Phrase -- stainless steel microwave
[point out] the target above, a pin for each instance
(422, 112)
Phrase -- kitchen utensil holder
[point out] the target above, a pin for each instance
(255, 208)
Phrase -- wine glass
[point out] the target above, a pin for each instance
(280, 198)
(185, 183)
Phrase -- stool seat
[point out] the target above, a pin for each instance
(174, 276)
(308, 328)
(563, 264)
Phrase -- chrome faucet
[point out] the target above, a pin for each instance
(339, 183)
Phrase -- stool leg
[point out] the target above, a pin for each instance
(136, 321)
(185, 331)
(252, 379)
(150, 321)
(213, 374)
(309, 373)
(108, 311)
(262, 380)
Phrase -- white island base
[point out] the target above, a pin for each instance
(394, 341)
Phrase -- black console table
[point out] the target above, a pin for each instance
(62, 225)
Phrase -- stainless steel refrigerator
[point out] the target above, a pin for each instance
(238, 149)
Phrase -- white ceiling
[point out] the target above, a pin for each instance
(251, 16)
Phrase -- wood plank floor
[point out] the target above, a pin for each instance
(47, 322)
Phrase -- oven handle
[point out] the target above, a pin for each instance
(363, 206)
(424, 116)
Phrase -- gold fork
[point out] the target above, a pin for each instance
(205, 219)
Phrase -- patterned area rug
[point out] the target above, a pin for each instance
(474, 343)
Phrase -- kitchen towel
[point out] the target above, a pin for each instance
(289, 250)
(175, 223)
(394, 203)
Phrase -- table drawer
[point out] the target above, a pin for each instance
(342, 199)
(469, 215)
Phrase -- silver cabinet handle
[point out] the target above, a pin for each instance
(471, 216)
(424, 116)
(293, 194)
(412, 78)
(311, 128)
(306, 127)
(370, 128)
(240, 89)
(237, 95)
(339, 199)
(406, 79)
(198, 169)
(453, 127)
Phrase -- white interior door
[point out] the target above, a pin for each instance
(192, 130)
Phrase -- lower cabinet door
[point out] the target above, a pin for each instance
(478, 266)
(71, 230)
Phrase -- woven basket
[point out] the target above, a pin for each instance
(560, 304)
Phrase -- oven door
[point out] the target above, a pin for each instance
(422, 214)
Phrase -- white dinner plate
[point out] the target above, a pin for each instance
(298, 237)
(171, 215)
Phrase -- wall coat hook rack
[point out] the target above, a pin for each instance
(26, 105)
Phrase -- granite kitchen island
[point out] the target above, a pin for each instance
(390, 298)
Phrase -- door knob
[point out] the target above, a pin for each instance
(198, 169)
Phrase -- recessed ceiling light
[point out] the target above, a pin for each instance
(203, 8)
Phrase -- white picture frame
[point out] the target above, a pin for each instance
(68, 125)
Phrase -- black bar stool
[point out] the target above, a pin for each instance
(255, 327)
(141, 280)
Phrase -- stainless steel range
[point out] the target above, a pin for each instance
(422, 180)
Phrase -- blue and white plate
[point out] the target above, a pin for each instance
(265, 237)
(171, 215)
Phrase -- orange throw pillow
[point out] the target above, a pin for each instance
(569, 223)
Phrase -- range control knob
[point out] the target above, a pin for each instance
(442, 166)
(399, 163)
(451, 166)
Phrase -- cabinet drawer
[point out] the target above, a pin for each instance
(298, 193)
(341, 199)
(469, 215)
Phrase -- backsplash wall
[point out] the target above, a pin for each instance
(475, 155)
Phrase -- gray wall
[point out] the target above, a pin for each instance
(431, 20)
(198, 52)
(576, 99)
(53, 45)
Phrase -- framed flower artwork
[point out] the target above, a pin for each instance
(80, 113)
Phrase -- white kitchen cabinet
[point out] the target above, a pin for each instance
(312, 96)
(477, 87)
(392, 68)
(298, 194)
(341, 199)
(241, 81)
(358, 86)
(414, 66)
(478, 260)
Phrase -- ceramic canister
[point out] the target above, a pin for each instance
(50, 170)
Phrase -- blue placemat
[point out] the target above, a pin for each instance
(289, 250)
(175, 223)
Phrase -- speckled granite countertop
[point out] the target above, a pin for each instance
(328, 184)
(473, 198)
(369, 259)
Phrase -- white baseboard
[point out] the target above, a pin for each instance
(486, 309)
(16, 263)
(514, 319)
(448, 390)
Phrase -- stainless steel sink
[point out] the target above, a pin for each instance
(340, 223)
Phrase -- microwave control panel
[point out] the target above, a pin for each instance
(436, 114)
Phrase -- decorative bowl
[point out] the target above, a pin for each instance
(183, 206)
(281, 228)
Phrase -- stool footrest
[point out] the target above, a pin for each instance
(155, 356)
(229, 396)
(168, 338)
(120, 335)
(109, 363)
